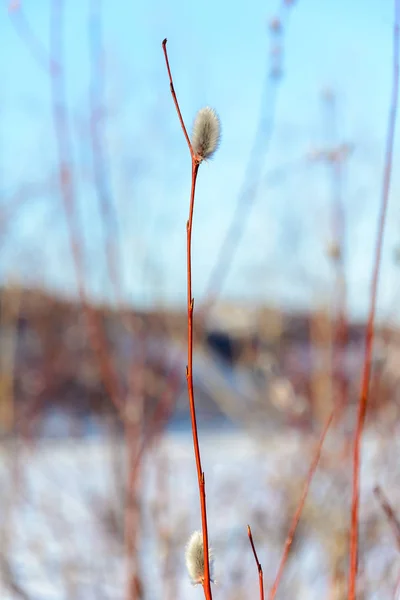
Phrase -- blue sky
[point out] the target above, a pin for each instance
(220, 55)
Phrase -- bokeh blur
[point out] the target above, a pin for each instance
(97, 473)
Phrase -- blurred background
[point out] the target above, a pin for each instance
(97, 473)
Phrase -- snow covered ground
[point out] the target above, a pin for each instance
(62, 538)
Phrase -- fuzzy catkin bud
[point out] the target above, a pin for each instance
(195, 558)
(206, 133)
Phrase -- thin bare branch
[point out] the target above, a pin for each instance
(259, 567)
(364, 392)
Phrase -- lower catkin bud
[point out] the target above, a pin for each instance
(206, 133)
(195, 558)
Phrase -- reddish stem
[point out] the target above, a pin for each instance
(189, 377)
(175, 99)
(364, 392)
(259, 567)
(189, 369)
(297, 515)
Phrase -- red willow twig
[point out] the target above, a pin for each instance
(299, 510)
(196, 160)
(363, 399)
(259, 567)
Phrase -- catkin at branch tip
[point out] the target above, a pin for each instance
(195, 558)
(206, 133)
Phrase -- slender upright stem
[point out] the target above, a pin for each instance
(259, 567)
(189, 369)
(190, 307)
(189, 377)
(364, 392)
